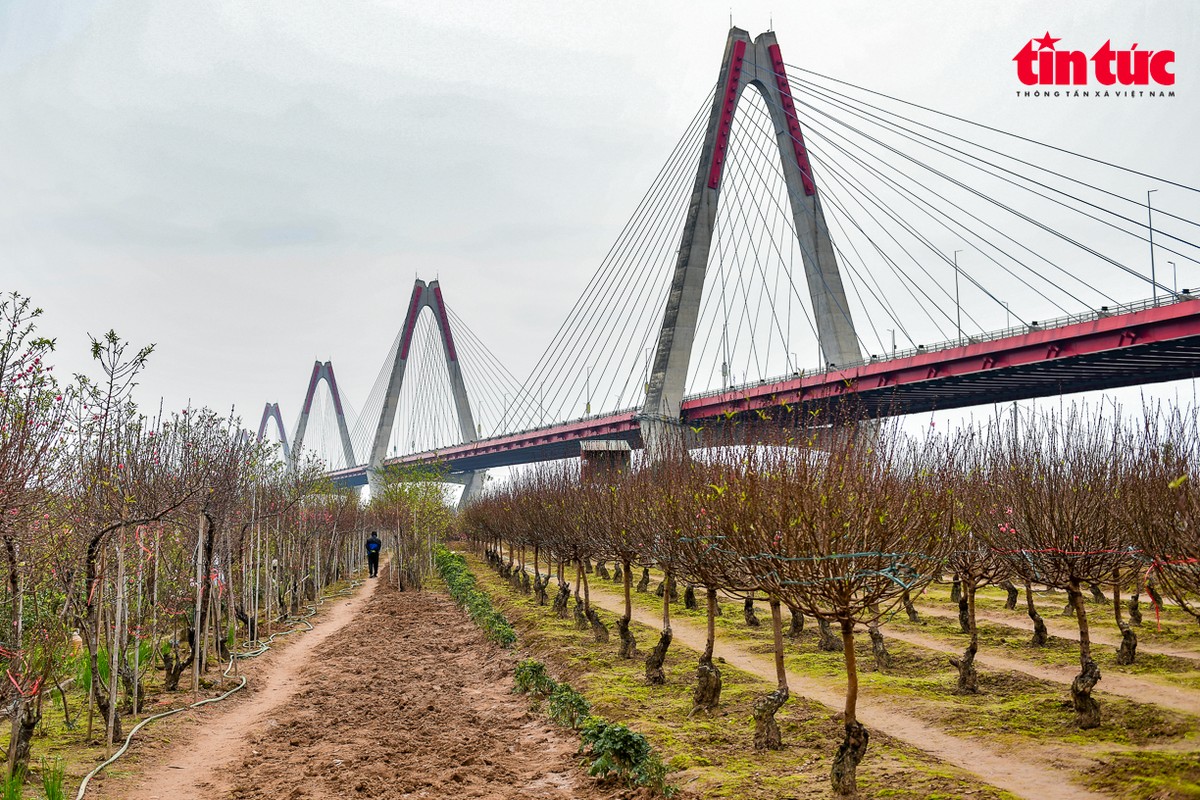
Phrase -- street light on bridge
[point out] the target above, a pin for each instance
(1150, 225)
(957, 304)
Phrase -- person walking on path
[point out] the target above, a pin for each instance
(374, 545)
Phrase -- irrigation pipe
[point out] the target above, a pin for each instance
(263, 646)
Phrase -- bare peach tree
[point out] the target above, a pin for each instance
(973, 558)
(1062, 479)
(660, 520)
(748, 508)
(610, 508)
(852, 528)
(1161, 508)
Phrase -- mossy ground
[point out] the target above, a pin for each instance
(1147, 776)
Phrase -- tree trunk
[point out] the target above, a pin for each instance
(955, 589)
(968, 678)
(827, 641)
(581, 620)
(618, 574)
(1152, 591)
(1040, 636)
(655, 675)
(1013, 595)
(707, 695)
(599, 629)
(1087, 710)
(689, 597)
(883, 659)
(628, 647)
(748, 613)
(797, 626)
(602, 571)
(1127, 652)
(964, 623)
(1097, 595)
(1135, 610)
(666, 588)
(909, 608)
(843, 776)
(644, 583)
(766, 729)
(561, 599)
(25, 718)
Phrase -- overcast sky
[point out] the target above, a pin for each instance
(254, 185)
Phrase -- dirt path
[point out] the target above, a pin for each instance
(398, 696)
(1140, 690)
(1056, 627)
(1024, 776)
(215, 735)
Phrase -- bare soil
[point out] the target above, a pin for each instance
(396, 695)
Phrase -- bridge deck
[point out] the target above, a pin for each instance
(1149, 344)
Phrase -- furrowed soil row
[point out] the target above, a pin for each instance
(401, 697)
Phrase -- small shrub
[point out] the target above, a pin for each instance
(461, 583)
(618, 752)
(567, 706)
(53, 775)
(530, 678)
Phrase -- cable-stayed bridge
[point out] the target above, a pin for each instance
(807, 241)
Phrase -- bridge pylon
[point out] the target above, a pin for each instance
(271, 412)
(425, 296)
(324, 372)
(747, 63)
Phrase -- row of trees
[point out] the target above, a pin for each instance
(841, 524)
(139, 553)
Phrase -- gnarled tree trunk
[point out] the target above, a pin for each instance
(561, 600)
(707, 694)
(1087, 710)
(1040, 636)
(628, 648)
(599, 629)
(644, 583)
(843, 777)
(968, 678)
(766, 728)
(796, 628)
(748, 613)
(1010, 602)
(1127, 652)
(909, 608)
(827, 641)
(655, 674)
